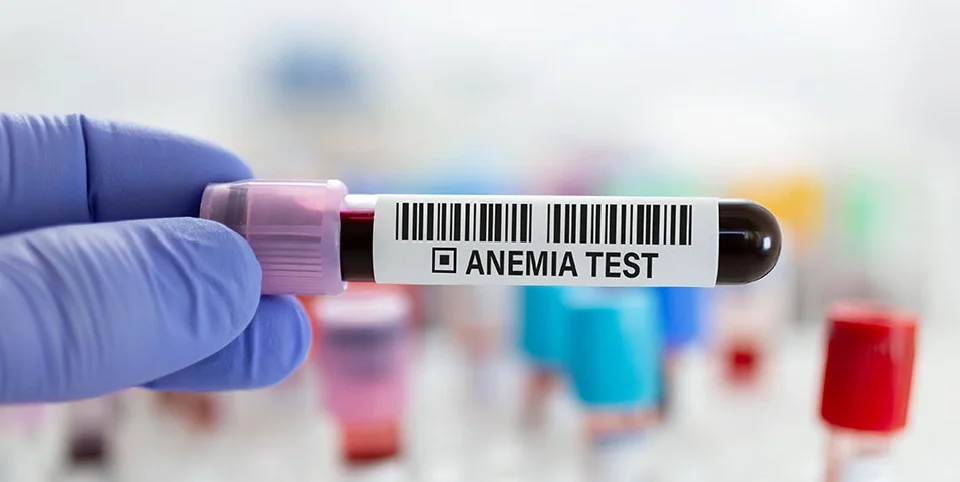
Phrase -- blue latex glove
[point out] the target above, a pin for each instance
(98, 293)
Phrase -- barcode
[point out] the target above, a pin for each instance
(459, 221)
(620, 224)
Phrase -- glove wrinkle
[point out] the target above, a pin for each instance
(82, 122)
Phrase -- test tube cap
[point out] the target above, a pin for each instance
(683, 313)
(614, 359)
(869, 368)
(293, 228)
(544, 325)
(364, 358)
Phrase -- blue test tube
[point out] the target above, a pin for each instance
(614, 363)
(683, 318)
(682, 315)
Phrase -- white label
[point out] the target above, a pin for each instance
(545, 240)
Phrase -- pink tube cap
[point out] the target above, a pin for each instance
(365, 354)
(293, 228)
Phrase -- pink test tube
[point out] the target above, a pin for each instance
(22, 418)
(363, 363)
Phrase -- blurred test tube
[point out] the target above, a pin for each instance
(876, 230)
(684, 312)
(750, 320)
(544, 332)
(867, 380)
(364, 363)
(198, 412)
(614, 364)
(798, 201)
(31, 440)
(163, 435)
(422, 314)
(91, 422)
(478, 315)
(315, 114)
(683, 319)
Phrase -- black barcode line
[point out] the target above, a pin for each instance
(443, 220)
(513, 223)
(526, 215)
(457, 212)
(656, 226)
(423, 220)
(596, 224)
(420, 231)
(619, 224)
(429, 229)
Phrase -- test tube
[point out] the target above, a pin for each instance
(749, 322)
(363, 363)
(863, 212)
(477, 314)
(866, 389)
(614, 365)
(199, 412)
(798, 200)
(872, 254)
(32, 437)
(683, 311)
(682, 319)
(423, 313)
(90, 423)
(311, 237)
(544, 334)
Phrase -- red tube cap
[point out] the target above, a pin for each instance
(869, 368)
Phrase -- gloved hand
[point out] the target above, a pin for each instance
(108, 280)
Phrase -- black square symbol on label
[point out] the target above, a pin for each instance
(444, 260)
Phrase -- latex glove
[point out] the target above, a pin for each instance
(98, 294)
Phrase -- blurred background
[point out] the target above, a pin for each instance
(841, 116)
